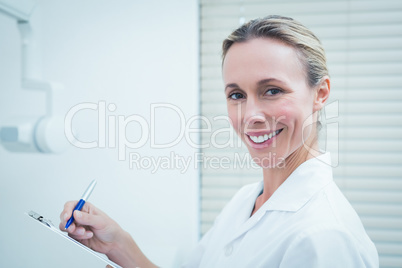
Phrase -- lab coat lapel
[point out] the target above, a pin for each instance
(243, 221)
(294, 193)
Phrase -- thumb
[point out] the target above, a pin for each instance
(88, 219)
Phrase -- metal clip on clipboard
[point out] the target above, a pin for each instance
(40, 218)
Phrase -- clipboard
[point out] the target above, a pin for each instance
(50, 226)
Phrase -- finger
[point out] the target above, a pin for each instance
(70, 204)
(84, 218)
(70, 229)
(78, 231)
(61, 227)
(82, 232)
(64, 217)
(89, 208)
(86, 235)
(69, 207)
(68, 210)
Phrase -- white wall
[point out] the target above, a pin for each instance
(132, 54)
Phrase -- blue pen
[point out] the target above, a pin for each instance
(81, 203)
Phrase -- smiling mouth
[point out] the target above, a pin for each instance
(265, 137)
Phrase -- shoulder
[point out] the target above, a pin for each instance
(328, 230)
(330, 207)
(325, 244)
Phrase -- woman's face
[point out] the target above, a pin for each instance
(268, 98)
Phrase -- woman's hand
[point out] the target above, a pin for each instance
(91, 227)
(96, 230)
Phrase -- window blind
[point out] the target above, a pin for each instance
(363, 42)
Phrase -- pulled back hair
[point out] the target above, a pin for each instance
(308, 47)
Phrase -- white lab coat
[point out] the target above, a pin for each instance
(307, 222)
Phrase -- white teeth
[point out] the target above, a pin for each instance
(261, 139)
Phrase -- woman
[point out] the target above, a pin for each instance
(276, 82)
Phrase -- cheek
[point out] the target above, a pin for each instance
(234, 116)
(292, 119)
(296, 119)
(285, 116)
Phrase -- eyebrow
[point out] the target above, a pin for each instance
(259, 83)
(232, 85)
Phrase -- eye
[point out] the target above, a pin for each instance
(273, 91)
(236, 96)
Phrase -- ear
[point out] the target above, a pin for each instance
(322, 93)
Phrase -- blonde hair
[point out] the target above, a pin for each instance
(308, 46)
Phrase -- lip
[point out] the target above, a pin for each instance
(264, 144)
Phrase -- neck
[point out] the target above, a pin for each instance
(274, 177)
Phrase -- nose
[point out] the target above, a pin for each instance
(253, 113)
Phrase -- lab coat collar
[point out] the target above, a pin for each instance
(306, 180)
(294, 192)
